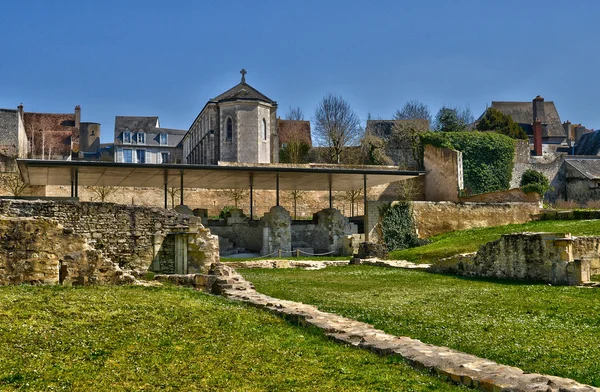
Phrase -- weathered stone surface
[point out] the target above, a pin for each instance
(454, 365)
(40, 251)
(332, 228)
(543, 257)
(131, 236)
(371, 249)
(303, 264)
(277, 232)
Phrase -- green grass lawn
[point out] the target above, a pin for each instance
(134, 338)
(465, 241)
(537, 327)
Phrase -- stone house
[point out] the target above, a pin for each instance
(239, 125)
(580, 179)
(142, 140)
(35, 135)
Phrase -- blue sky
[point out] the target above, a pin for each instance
(167, 58)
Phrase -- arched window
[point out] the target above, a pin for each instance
(229, 129)
(264, 129)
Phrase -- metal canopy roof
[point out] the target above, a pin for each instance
(47, 172)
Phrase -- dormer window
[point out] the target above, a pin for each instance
(163, 139)
(141, 138)
(127, 137)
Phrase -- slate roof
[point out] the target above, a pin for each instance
(147, 125)
(243, 91)
(288, 129)
(590, 168)
(589, 144)
(135, 123)
(522, 113)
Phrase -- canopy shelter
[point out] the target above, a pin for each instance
(272, 177)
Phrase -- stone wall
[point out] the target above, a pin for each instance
(541, 257)
(40, 251)
(130, 236)
(432, 218)
(510, 196)
(548, 164)
(444, 177)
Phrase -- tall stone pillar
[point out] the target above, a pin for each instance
(277, 234)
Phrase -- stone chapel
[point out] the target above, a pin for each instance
(239, 125)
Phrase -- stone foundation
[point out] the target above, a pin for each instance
(542, 257)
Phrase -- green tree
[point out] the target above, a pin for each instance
(496, 121)
(373, 150)
(452, 120)
(534, 181)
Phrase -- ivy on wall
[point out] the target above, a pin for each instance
(398, 227)
(487, 157)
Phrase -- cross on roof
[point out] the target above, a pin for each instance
(243, 72)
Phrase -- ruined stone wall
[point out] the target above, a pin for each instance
(40, 251)
(128, 235)
(444, 177)
(541, 257)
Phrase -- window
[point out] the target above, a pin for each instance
(164, 157)
(127, 156)
(140, 156)
(229, 129)
(163, 139)
(141, 138)
(264, 129)
(127, 137)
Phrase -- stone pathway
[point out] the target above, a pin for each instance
(454, 365)
(320, 264)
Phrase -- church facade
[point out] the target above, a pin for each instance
(239, 125)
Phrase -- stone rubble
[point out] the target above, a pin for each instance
(456, 366)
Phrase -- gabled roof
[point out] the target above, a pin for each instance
(135, 123)
(288, 130)
(590, 168)
(522, 113)
(148, 125)
(243, 91)
(589, 144)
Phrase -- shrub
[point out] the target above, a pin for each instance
(224, 211)
(398, 227)
(534, 181)
(487, 157)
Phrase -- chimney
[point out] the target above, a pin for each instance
(579, 131)
(538, 110)
(568, 135)
(20, 110)
(77, 116)
(537, 137)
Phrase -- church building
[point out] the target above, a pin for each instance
(239, 125)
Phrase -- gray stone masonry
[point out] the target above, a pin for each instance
(277, 233)
(454, 365)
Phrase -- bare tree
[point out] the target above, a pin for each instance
(236, 195)
(102, 192)
(337, 126)
(13, 183)
(413, 110)
(296, 148)
(409, 189)
(294, 114)
(295, 196)
(353, 197)
(173, 193)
